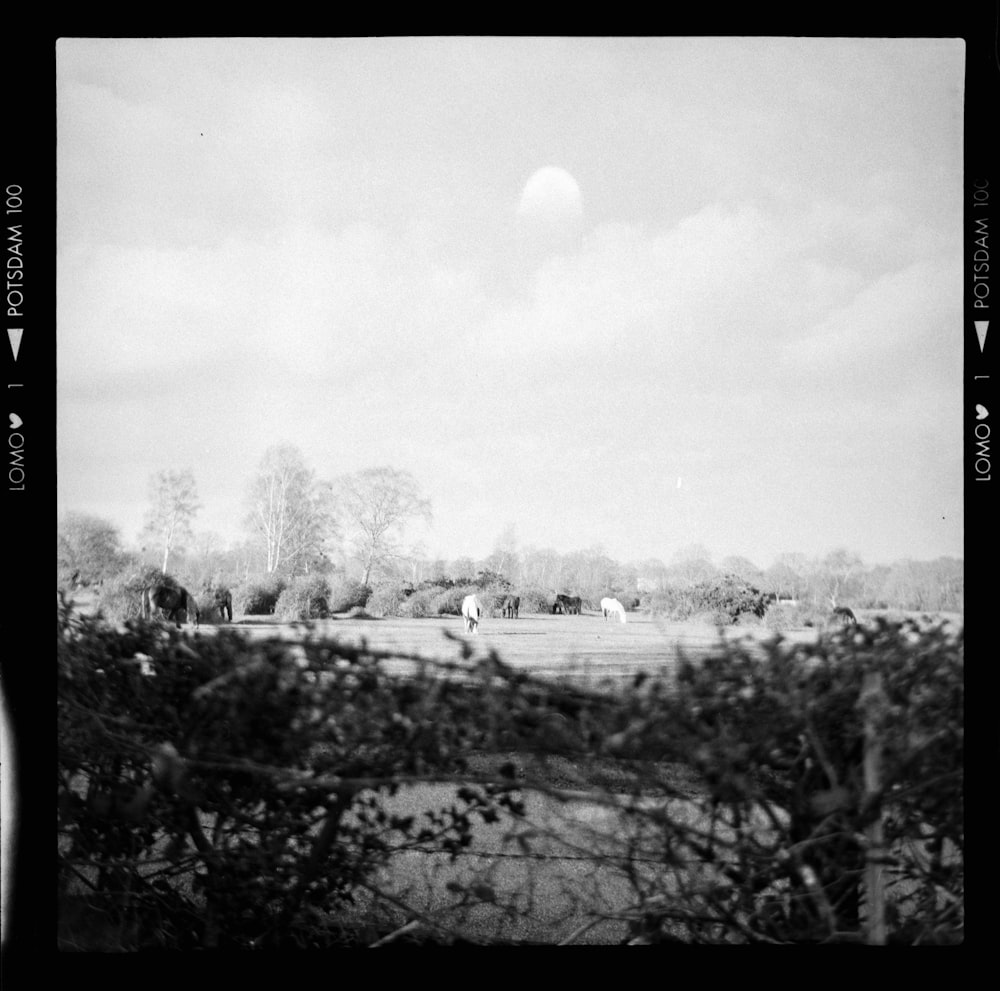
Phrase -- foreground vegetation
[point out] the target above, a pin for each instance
(221, 792)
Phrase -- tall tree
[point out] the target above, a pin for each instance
(743, 568)
(289, 510)
(691, 565)
(839, 575)
(504, 560)
(88, 549)
(376, 504)
(175, 503)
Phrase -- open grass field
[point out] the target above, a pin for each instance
(586, 646)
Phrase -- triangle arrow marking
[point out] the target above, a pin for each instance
(14, 333)
(981, 327)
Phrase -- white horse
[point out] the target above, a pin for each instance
(472, 609)
(611, 607)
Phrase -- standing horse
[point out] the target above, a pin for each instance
(843, 617)
(472, 609)
(612, 607)
(510, 607)
(569, 605)
(170, 600)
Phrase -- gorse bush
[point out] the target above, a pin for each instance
(534, 601)
(420, 603)
(346, 594)
(729, 596)
(258, 596)
(386, 600)
(121, 595)
(716, 601)
(303, 598)
(449, 601)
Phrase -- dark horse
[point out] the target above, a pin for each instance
(510, 607)
(223, 600)
(843, 616)
(171, 600)
(568, 605)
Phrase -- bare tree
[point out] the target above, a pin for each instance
(168, 523)
(691, 565)
(839, 575)
(376, 504)
(289, 510)
(789, 574)
(743, 568)
(505, 560)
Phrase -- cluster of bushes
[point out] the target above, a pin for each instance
(443, 597)
(720, 601)
(304, 597)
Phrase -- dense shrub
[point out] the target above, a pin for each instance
(386, 600)
(717, 601)
(420, 603)
(672, 603)
(448, 602)
(728, 595)
(346, 594)
(286, 748)
(492, 582)
(817, 761)
(784, 616)
(258, 596)
(534, 601)
(120, 596)
(303, 598)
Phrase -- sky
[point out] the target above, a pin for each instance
(628, 293)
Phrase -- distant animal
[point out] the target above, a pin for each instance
(612, 607)
(510, 606)
(568, 605)
(171, 600)
(843, 617)
(223, 600)
(472, 609)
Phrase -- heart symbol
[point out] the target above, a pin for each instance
(981, 412)
(15, 421)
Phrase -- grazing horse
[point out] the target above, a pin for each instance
(223, 600)
(569, 605)
(170, 600)
(472, 609)
(843, 617)
(510, 607)
(612, 607)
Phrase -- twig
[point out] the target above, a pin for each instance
(409, 927)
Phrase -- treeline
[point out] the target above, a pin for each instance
(91, 552)
(351, 533)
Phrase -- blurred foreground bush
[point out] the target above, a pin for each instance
(220, 792)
